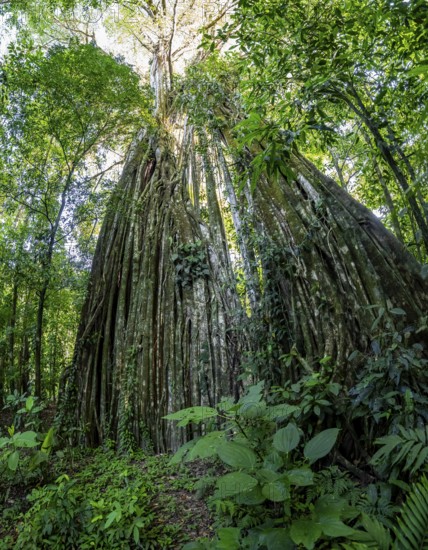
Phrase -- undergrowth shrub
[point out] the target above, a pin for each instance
(268, 497)
(107, 505)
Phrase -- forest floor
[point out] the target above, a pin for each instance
(144, 487)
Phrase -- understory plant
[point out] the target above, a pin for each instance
(278, 451)
(266, 495)
(23, 456)
(108, 504)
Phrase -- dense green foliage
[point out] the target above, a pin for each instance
(62, 112)
(280, 487)
(347, 80)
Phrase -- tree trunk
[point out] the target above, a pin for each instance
(38, 341)
(163, 327)
(155, 332)
(334, 261)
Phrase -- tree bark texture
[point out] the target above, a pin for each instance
(164, 327)
(334, 262)
(155, 333)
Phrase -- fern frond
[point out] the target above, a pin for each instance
(374, 535)
(408, 449)
(412, 529)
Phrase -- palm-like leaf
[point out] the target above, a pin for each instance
(409, 449)
(412, 529)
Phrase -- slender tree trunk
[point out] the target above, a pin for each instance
(386, 193)
(385, 150)
(46, 265)
(12, 337)
(38, 341)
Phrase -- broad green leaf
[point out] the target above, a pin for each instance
(192, 414)
(286, 439)
(236, 455)
(228, 538)
(334, 527)
(235, 483)
(306, 532)
(273, 461)
(276, 539)
(25, 439)
(252, 498)
(180, 454)
(329, 507)
(13, 461)
(302, 477)
(37, 458)
(420, 69)
(280, 412)
(136, 534)
(206, 446)
(252, 410)
(397, 311)
(265, 474)
(29, 403)
(275, 491)
(110, 518)
(320, 445)
(254, 394)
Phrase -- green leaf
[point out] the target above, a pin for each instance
(275, 491)
(306, 532)
(397, 311)
(388, 442)
(136, 534)
(320, 445)
(276, 539)
(206, 446)
(254, 394)
(48, 442)
(29, 403)
(273, 461)
(237, 455)
(334, 527)
(25, 439)
(286, 439)
(265, 475)
(181, 453)
(110, 518)
(375, 535)
(302, 477)
(235, 483)
(252, 498)
(280, 412)
(252, 410)
(228, 538)
(411, 528)
(192, 414)
(328, 507)
(13, 460)
(420, 69)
